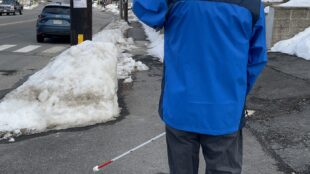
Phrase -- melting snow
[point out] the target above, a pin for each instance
(299, 45)
(77, 88)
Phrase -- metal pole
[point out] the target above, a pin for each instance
(126, 10)
(81, 21)
(121, 9)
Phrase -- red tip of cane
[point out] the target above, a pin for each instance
(96, 169)
(105, 164)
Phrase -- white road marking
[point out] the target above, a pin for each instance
(27, 49)
(4, 47)
(18, 22)
(55, 49)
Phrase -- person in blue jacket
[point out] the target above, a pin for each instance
(214, 52)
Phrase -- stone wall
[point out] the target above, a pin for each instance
(288, 21)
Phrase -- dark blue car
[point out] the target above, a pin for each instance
(54, 21)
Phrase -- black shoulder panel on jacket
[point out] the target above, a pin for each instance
(252, 5)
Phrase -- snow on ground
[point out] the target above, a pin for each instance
(95, 5)
(77, 88)
(126, 64)
(156, 47)
(267, 9)
(299, 45)
(112, 8)
(297, 3)
(30, 7)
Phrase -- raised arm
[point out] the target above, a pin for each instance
(151, 12)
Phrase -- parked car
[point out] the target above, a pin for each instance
(11, 7)
(54, 21)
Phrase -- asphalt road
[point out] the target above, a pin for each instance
(281, 99)
(21, 55)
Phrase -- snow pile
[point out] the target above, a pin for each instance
(95, 5)
(126, 64)
(30, 7)
(156, 47)
(296, 3)
(299, 45)
(267, 9)
(78, 88)
(114, 32)
(112, 8)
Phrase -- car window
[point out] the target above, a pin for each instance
(57, 10)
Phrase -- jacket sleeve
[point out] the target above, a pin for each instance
(151, 12)
(258, 51)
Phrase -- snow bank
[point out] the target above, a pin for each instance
(30, 7)
(78, 88)
(126, 64)
(299, 45)
(112, 8)
(267, 9)
(95, 5)
(296, 3)
(156, 47)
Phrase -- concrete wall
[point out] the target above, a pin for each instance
(288, 21)
(269, 27)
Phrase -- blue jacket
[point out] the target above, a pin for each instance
(214, 52)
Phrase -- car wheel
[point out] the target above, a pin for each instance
(7, 14)
(40, 38)
(0, 14)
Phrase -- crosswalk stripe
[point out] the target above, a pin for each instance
(27, 49)
(55, 49)
(4, 47)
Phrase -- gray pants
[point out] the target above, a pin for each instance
(222, 154)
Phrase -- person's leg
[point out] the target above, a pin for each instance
(223, 154)
(183, 151)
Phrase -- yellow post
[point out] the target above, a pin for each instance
(80, 38)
